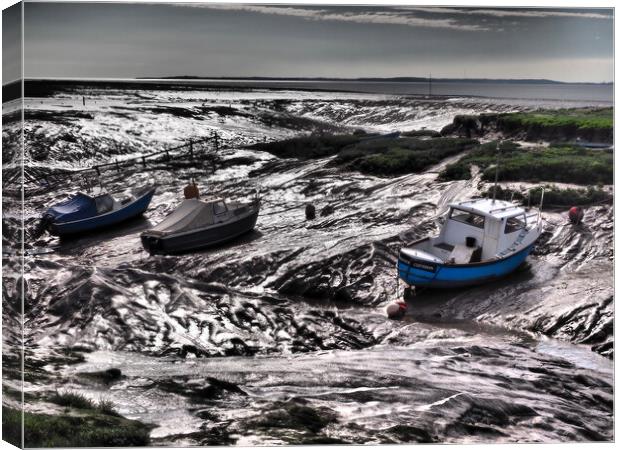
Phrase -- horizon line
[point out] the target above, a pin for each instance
(295, 79)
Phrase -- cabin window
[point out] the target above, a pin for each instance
(475, 220)
(219, 208)
(514, 224)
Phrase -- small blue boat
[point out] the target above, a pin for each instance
(82, 212)
(481, 240)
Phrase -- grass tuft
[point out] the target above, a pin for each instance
(72, 400)
(106, 407)
(94, 430)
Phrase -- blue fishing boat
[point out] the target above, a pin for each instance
(82, 212)
(480, 240)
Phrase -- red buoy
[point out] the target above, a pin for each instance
(396, 310)
(575, 215)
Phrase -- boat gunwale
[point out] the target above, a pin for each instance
(474, 264)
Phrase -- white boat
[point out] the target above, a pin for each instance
(480, 240)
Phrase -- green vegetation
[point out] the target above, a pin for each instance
(421, 133)
(83, 430)
(72, 400)
(78, 401)
(106, 407)
(577, 118)
(382, 156)
(567, 164)
(308, 147)
(562, 125)
(554, 196)
(401, 155)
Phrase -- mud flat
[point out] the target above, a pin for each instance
(281, 336)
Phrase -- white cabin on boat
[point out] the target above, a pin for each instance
(476, 231)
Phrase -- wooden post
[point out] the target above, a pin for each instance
(144, 161)
(191, 149)
(118, 168)
(167, 155)
(97, 170)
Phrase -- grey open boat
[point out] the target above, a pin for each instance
(200, 223)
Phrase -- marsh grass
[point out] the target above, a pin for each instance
(72, 400)
(84, 430)
(106, 407)
(79, 401)
(562, 163)
(600, 118)
(382, 156)
(555, 197)
(562, 125)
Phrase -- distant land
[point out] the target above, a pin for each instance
(381, 80)
(45, 86)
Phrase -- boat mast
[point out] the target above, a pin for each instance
(496, 172)
(430, 76)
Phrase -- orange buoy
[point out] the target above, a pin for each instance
(191, 190)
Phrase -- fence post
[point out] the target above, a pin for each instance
(144, 161)
(191, 149)
(118, 168)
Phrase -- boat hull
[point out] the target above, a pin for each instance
(133, 209)
(212, 236)
(426, 274)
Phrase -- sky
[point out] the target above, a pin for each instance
(219, 40)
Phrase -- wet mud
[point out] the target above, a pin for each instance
(280, 337)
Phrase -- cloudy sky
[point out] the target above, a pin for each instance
(137, 40)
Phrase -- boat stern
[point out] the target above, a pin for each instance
(151, 243)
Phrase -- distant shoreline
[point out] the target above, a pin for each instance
(319, 79)
(382, 80)
(411, 87)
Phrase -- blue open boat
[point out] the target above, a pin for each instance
(83, 212)
(481, 240)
